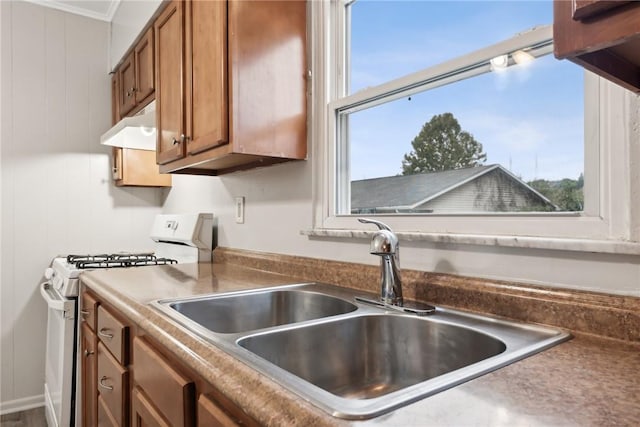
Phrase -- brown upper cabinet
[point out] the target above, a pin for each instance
(136, 76)
(170, 48)
(127, 83)
(133, 87)
(137, 168)
(144, 62)
(602, 36)
(130, 167)
(115, 103)
(231, 85)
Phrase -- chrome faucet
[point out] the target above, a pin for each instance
(385, 244)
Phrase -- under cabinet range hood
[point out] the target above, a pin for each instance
(137, 131)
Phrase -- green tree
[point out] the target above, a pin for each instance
(567, 194)
(442, 145)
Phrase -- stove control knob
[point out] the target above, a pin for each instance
(49, 273)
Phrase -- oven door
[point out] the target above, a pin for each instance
(59, 393)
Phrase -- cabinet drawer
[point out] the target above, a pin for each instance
(88, 308)
(113, 385)
(170, 392)
(114, 334)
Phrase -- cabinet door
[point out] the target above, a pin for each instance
(115, 103)
(206, 95)
(169, 39)
(89, 376)
(209, 414)
(144, 67)
(267, 62)
(143, 413)
(127, 78)
(171, 393)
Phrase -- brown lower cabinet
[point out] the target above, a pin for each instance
(170, 392)
(113, 385)
(210, 414)
(105, 418)
(129, 379)
(143, 412)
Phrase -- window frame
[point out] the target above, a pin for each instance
(606, 120)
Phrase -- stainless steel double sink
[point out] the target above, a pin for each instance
(349, 358)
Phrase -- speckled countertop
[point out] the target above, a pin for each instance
(589, 380)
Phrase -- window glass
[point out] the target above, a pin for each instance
(389, 39)
(506, 140)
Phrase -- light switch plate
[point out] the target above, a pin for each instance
(240, 210)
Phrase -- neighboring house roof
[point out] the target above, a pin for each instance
(411, 191)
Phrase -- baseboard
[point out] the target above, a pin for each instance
(23, 404)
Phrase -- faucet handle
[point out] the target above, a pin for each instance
(384, 241)
(381, 225)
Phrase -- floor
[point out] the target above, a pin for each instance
(31, 418)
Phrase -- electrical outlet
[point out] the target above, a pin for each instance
(240, 210)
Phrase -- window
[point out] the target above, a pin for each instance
(539, 124)
(498, 130)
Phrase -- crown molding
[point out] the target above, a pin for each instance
(65, 7)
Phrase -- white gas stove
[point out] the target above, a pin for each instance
(178, 239)
(64, 271)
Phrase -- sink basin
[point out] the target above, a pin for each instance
(349, 358)
(370, 356)
(258, 310)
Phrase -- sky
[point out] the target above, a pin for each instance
(528, 119)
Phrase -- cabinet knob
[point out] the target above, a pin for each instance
(88, 353)
(183, 138)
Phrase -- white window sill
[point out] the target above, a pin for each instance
(548, 243)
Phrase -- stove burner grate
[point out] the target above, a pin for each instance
(117, 260)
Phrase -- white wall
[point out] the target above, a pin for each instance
(57, 195)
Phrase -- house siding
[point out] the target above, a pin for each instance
(492, 192)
